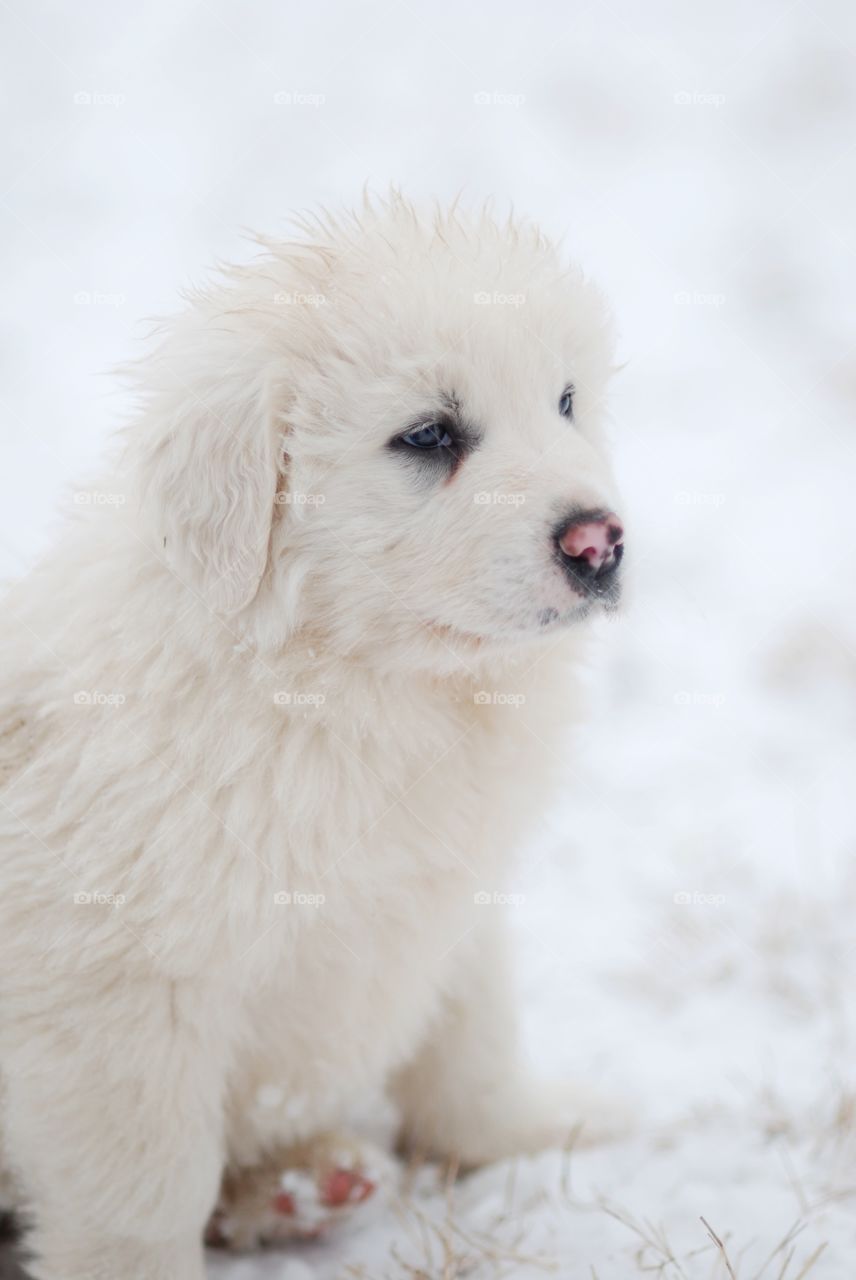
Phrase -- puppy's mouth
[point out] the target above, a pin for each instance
(602, 587)
(605, 592)
(453, 635)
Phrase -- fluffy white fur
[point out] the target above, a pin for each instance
(252, 670)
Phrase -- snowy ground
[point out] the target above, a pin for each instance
(687, 926)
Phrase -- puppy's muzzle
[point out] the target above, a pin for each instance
(590, 547)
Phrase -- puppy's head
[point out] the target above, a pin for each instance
(389, 433)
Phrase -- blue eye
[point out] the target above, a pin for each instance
(566, 404)
(432, 435)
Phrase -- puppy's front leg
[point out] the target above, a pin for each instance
(467, 1095)
(113, 1126)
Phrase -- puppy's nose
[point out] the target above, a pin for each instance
(593, 542)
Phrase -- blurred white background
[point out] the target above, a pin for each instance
(687, 931)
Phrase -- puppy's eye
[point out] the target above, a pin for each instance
(566, 404)
(431, 435)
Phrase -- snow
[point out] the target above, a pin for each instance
(303, 1189)
(685, 912)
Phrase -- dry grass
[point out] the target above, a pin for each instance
(444, 1249)
(440, 1246)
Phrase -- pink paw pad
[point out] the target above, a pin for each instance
(345, 1186)
(311, 1200)
(299, 1193)
(284, 1203)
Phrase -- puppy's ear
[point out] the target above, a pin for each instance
(210, 461)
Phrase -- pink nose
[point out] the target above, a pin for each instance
(596, 541)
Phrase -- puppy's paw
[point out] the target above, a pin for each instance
(299, 1192)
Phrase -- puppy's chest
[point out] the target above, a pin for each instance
(368, 972)
(390, 861)
(382, 900)
(372, 802)
(397, 837)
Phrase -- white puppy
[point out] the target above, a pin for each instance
(274, 713)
